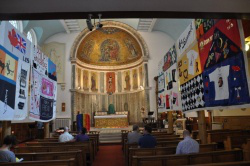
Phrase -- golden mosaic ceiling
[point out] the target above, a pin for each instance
(109, 46)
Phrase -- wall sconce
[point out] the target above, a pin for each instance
(78, 87)
(63, 107)
(141, 87)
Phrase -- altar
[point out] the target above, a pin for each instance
(111, 121)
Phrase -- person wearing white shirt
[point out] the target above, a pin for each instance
(65, 137)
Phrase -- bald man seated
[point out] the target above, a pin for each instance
(188, 145)
(65, 137)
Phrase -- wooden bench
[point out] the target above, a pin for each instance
(246, 150)
(235, 142)
(238, 163)
(79, 161)
(88, 146)
(164, 151)
(158, 138)
(188, 159)
(69, 162)
(39, 149)
(159, 144)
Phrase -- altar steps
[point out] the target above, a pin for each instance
(115, 137)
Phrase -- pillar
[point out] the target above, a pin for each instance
(6, 128)
(170, 122)
(46, 130)
(210, 119)
(202, 127)
(156, 95)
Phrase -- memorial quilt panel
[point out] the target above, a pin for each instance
(192, 94)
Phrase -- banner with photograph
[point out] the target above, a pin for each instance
(43, 97)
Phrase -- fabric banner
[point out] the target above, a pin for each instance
(192, 94)
(79, 122)
(170, 58)
(40, 61)
(22, 90)
(219, 43)
(52, 70)
(43, 97)
(173, 101)
(14, 41)
(8, 76)
(110, 82)
(186, 39)
(189, 64)
(203, 25)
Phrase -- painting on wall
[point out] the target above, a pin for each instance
(110, 82)
(56, 52)
(94, 81)
(135, 79)
(85, 77)
(109, 46)
(127, 84)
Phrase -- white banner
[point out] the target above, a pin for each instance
(15, 42)
(186, 39)
(22, 90)
(43, 97)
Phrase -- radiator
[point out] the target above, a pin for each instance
(61, 122)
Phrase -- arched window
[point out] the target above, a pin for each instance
(31, 35)
(17, 24)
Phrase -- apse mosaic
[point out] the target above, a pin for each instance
(109, 46)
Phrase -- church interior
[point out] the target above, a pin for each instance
(171, 70)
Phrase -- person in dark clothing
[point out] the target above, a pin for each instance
(5, 154)
(82, 137)
(147, 140)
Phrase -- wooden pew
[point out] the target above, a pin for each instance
(79, 161)
(159, 144)
(246, 150)
(164, 151)
(66, 148)
(239, 163)
(88, 148)
(69, 162)
(189, 159)
(158, 138)
(235, 142)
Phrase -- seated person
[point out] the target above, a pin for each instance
(5, 154)
(188, 145)
(147, 140)
(65, 137)
(134, 136)
(82, 137)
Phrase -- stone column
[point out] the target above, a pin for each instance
(170, 122)
(6, 129)
(46, 130)
(202, 127)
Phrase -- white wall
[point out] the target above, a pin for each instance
(158, 44)
(65, 95)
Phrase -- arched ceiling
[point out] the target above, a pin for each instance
(109, 46)
(47, 28)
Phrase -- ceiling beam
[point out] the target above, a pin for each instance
(79, 9)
